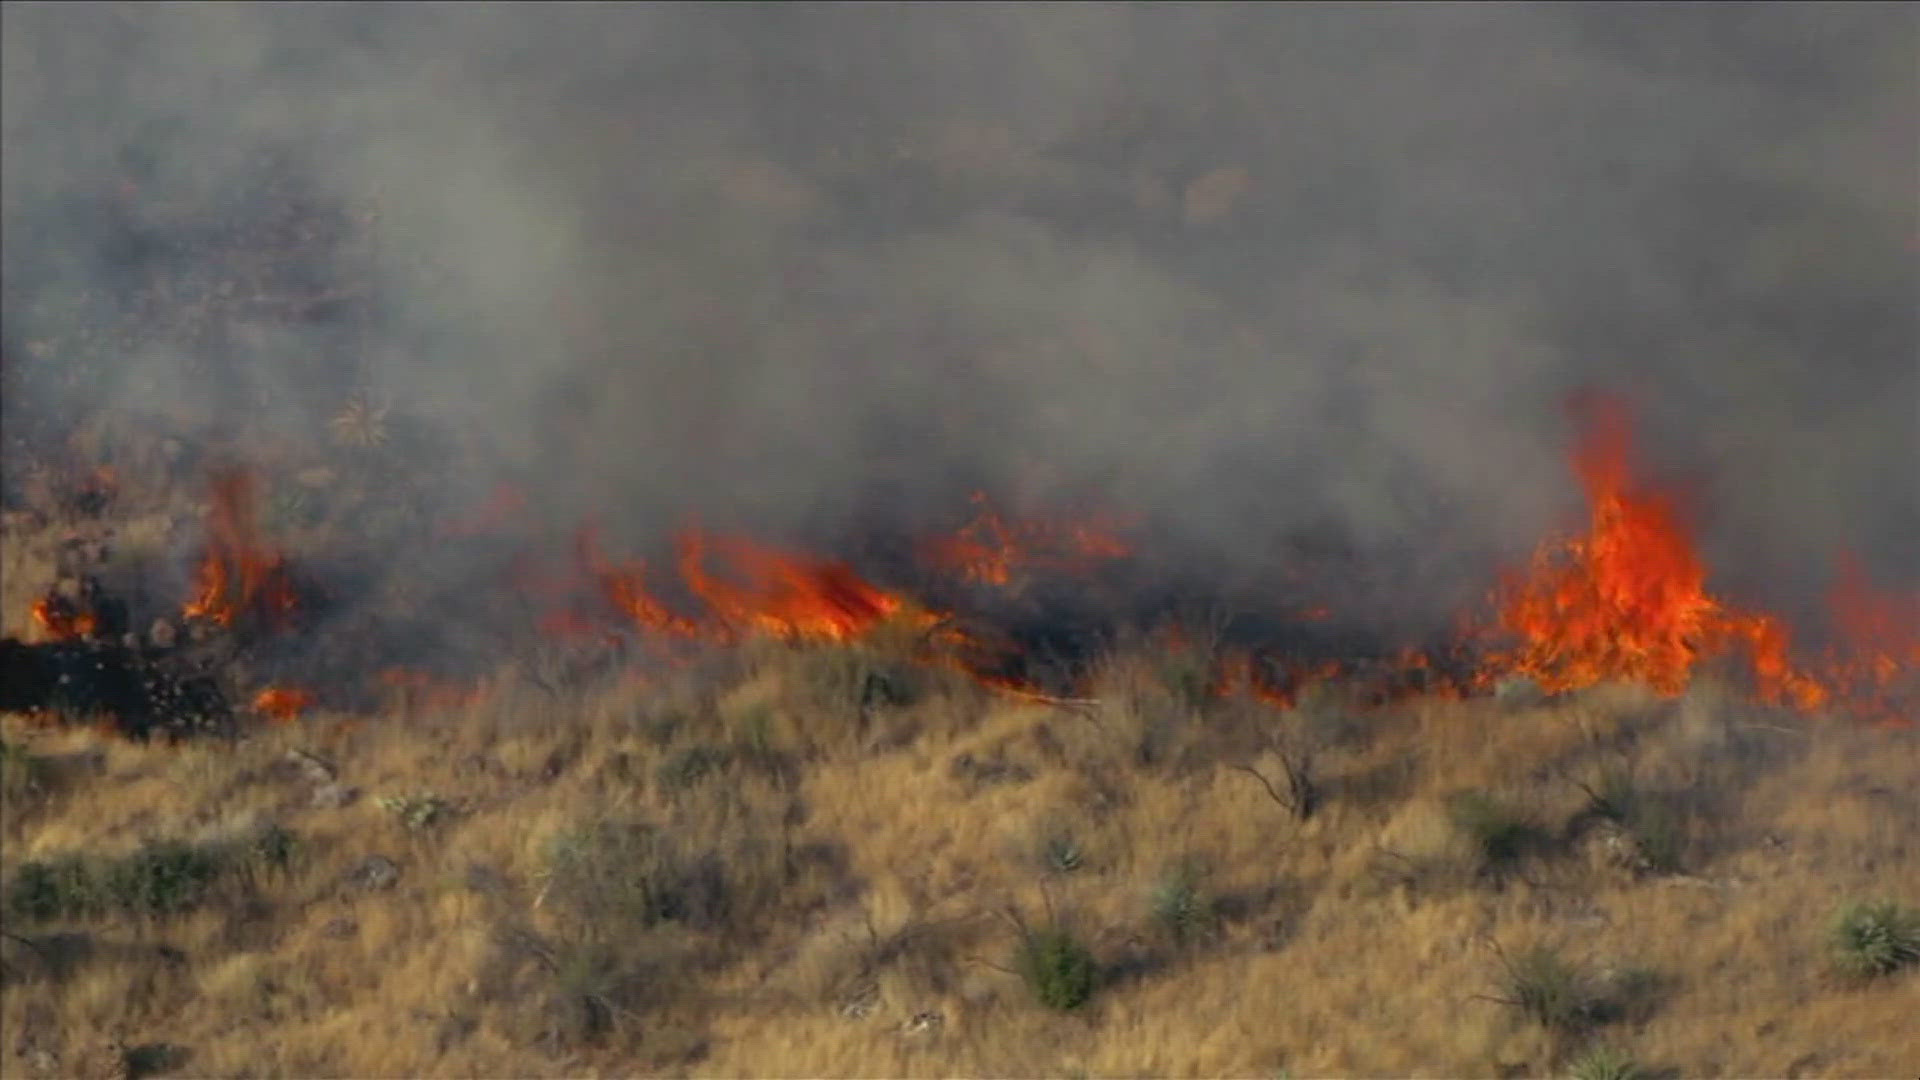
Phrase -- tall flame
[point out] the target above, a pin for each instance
(1628, 600)
(240, 576)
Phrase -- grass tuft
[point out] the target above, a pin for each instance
(1606, 1063)
(1500, 834)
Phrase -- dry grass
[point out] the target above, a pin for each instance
(860, 856)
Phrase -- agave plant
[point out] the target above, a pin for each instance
(361, 425)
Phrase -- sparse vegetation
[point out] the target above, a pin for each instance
(1874, 938)
(417, 812)
(1056, 967)
(1180, 908)
(1546, 988)
(1499, 833)
(160, 878)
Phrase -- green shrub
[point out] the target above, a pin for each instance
(1058, 969)
(1606, 1063)
(1655, 825)
(1875, 938)
(161, 878)
(1061, 852)
(1500, 834)
(64, 888)
(1179, 906)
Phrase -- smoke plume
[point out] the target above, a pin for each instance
(1265, 276)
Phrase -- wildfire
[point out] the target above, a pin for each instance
(62, 620)
(990, 550)
(283, 703)
(240, 576)
(1628, 600)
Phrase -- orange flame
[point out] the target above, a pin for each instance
(989, 550)
(1628, 600)
(61, 621)
(781, 593)
(283, 703)
(240, 577)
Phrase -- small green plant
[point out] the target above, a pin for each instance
(1875, 938)
(1179, 906)
(1605, 1063)
(1500, 834)
(1547, 988)
(270, 849)
(1062, 853)
(1056, 967)
(417, 812)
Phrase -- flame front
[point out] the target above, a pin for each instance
(1628, 600)
(283, 703)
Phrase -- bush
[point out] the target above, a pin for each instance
(22, 774)
(1180, 907)
(63, 888)
(1058, 969)
(1655, 826)
(1875, 938)
(1500, 834)
(1548, 989)
(688, 767)
(161, 878)
(610, 874)
(417, 812)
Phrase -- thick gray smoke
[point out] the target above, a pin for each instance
(1253, 271)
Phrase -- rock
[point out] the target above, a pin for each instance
(334, 796)
(162, 634)
(375, 873)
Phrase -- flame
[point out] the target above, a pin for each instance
(782, 593)
(61, 621)
(990, 550)
(415, 691)
(1878, 643)
(283, 703)
(1628, 600)
(240, 576)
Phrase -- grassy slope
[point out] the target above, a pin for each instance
(866, 870)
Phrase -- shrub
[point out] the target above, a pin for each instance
(688, 767)
(417, 812)
(609, 874)
(1606, 1063)
(1500, 834)
(1180, 907)
(1656, 827)
(1547, 989)
(161, 878)
(62, 888)
(1058, 969)
(1875, 938)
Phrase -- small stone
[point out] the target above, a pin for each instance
(162, 634)
(375, 872)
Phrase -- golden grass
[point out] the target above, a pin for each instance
(874, 860)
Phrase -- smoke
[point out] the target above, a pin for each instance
(1256, 273)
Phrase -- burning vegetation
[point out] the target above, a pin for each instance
(1627, 600)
